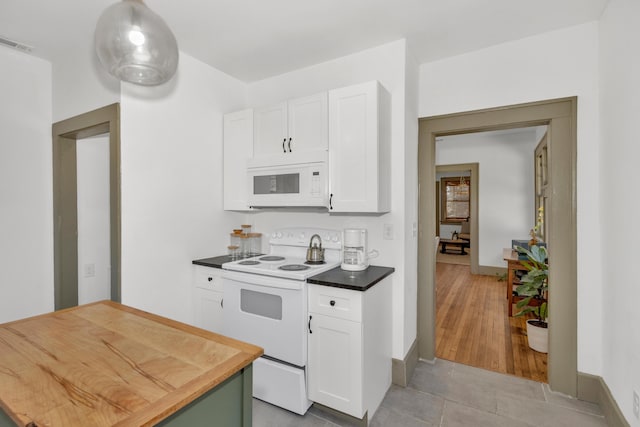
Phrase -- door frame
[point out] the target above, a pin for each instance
(65, 134)
(560, 115)
(474, 169)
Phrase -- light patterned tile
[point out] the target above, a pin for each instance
(542, 414)
(501, 383)
(386, 417)
(422, 406)
(445, 385)
(456, 415)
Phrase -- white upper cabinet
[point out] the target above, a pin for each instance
(238, 149)
(296, 126)
(360, 149)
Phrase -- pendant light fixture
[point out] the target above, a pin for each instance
(135, 45)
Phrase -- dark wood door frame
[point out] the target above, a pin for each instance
(65, 211)
(560, 115)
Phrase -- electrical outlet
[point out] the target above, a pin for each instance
(636, 404)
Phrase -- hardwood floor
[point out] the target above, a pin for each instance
(472, 326)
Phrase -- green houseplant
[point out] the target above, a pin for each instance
(533, 288)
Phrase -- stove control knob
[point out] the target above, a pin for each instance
(334, 238)
(301, 236)
(279, 235)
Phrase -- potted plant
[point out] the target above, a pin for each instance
(533, 288)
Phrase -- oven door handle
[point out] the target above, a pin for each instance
(260, 280)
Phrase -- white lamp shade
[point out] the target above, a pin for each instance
(134, 44)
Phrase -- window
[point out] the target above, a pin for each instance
(456, 197)
(541, 186)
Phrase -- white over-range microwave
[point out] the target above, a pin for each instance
(303, 183)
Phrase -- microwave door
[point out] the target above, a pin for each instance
(303, 186)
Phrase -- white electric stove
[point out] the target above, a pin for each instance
(287, 254)
(265, 303)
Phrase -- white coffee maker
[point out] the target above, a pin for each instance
(354, 249)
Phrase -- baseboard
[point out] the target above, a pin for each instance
(402, 370)
(487, 270)
(592, 388)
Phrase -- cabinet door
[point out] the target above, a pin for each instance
(238, 148)
(335, 363)
(270, 132)
(208, 310)
(308, 123)
(359, 149)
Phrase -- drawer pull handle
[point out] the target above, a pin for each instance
(209, 278)
(310, 331)
(332, 303)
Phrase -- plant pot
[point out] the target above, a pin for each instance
(537, 336)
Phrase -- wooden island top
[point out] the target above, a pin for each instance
(106, 364)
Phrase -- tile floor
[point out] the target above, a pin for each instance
(450, 394)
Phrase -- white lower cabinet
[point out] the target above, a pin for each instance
(207, 298)
(335, 363)
(349, 357)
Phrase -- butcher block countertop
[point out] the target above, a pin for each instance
(106, 364)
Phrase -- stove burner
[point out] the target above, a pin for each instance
(271, 258)
(294, 267)
(248, 262)
(315, 262)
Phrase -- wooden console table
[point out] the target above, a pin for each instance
(513, 264)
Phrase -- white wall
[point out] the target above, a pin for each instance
(386, 64)
(552, 65)
(26, 210)
(92, 155)
(80, 84)
(171, 149)
(506, 186)
(620, 104)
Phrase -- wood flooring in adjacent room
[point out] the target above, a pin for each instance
(472, 326)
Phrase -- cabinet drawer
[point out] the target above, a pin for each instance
(335, 302)
(208, 278)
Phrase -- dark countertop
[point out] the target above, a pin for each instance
(215, 262)
(337, 278)
(353, 280)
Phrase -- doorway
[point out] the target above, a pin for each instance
(66, 133)
(560, 117)
(473, 172)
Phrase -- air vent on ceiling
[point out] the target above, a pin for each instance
(14, 44)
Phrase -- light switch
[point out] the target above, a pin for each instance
(89, 270)
(387, 232)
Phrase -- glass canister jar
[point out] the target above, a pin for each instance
(255, 243)
(245, 246)
(234, 239)
(246, 228)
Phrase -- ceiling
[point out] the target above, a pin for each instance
(256, 39)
